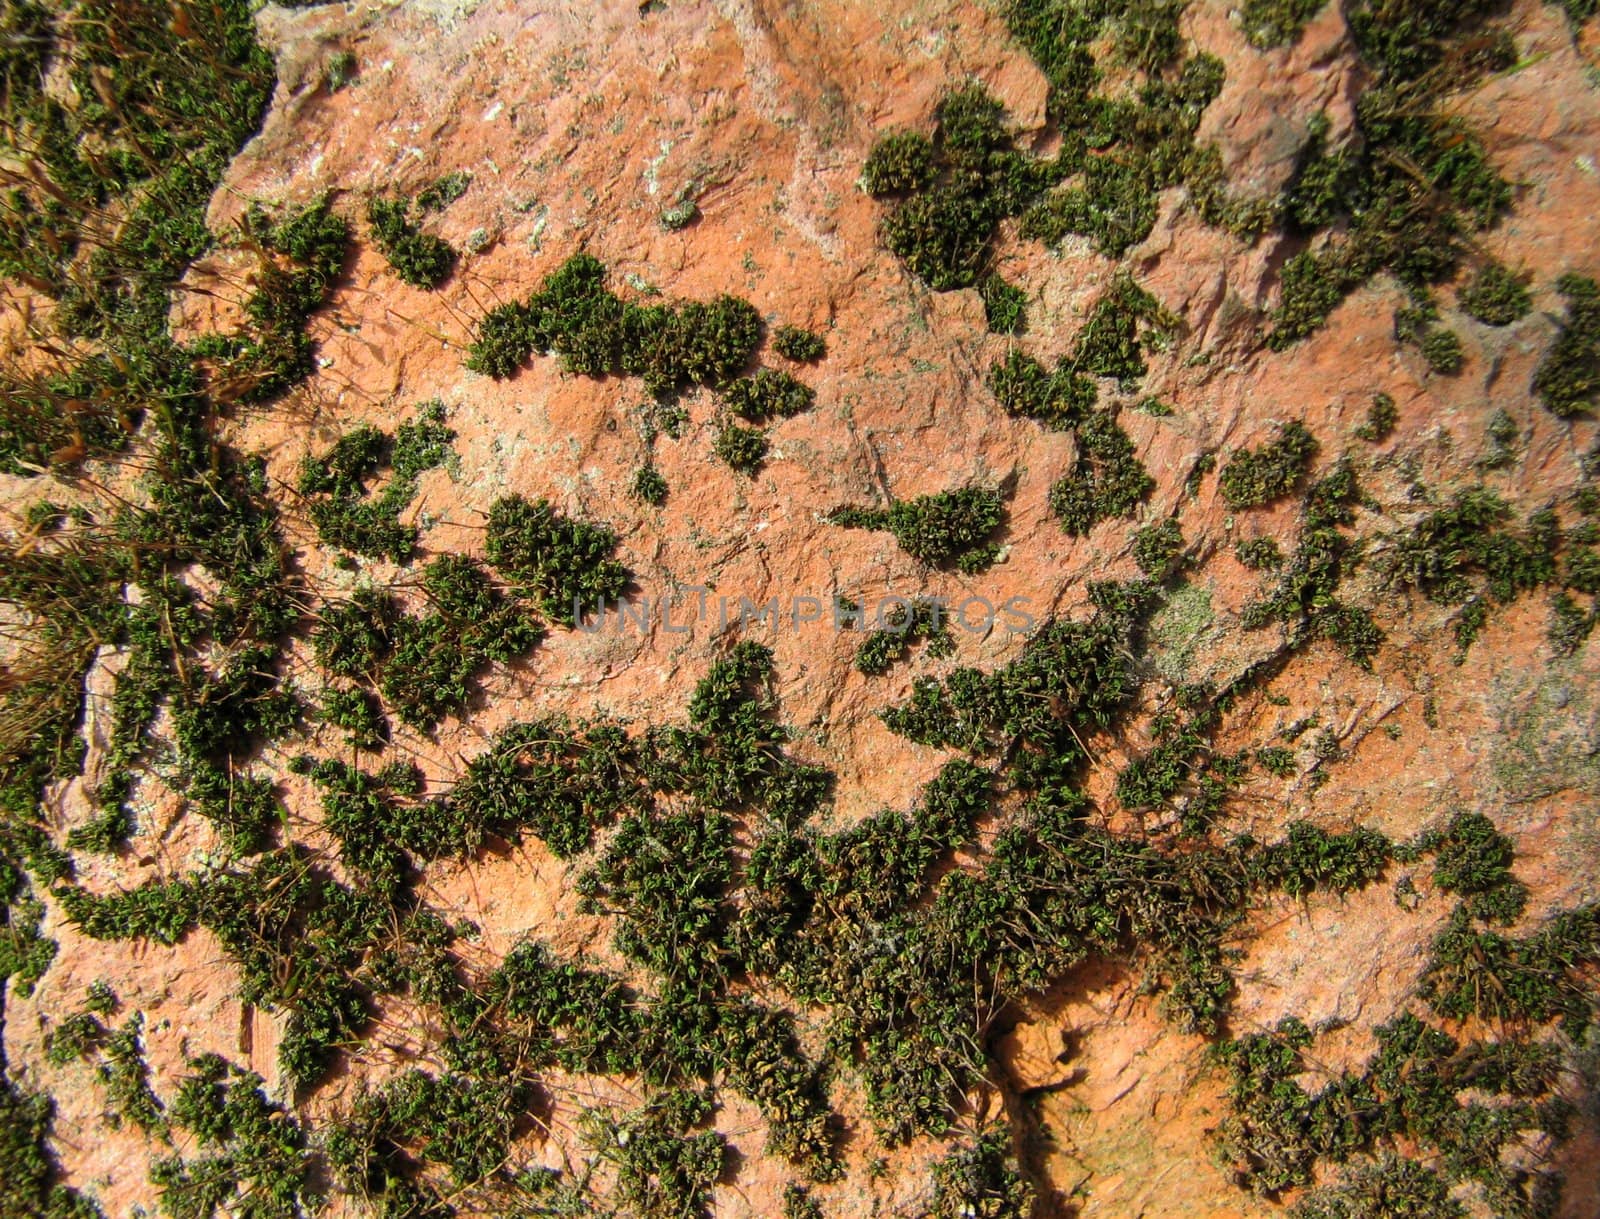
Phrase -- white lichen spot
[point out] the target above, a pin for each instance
(652, 168)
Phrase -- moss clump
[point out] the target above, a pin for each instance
(1259, 554)
(443, 191)
(564, 564)
(1253, 477)
(1311, 859)
(340, 70)
(1005, 306)
(1278, 761)
(947, 529)
(1107, 481)
(743, 449)
(1466, 1104)
(1272, 23)
(1528, 980)
(1059, 400)
(1472, 534)
(798, 344)
(1158, 549)
(346, 515)
(1404, 137)
(249, 1149)
(596, 333)
(1382, 415)
(420, 259)
(953, 190)
(903, 630)
(770, 394)
(981, 1180)
(460, 1123)
(1473, 858)
(1441, 348)
(1305, 595)
(28, 1170)
(1568, 378)
(426, 666)
(663, 1171)
(561, 780)
(1123, 320)
(359, 714)
(662, 875)
(301, 260)
(648, 486)
(900, 163)
(1496, 297)
(1417, 325)
(504, 342)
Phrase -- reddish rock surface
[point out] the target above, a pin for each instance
(580, 124)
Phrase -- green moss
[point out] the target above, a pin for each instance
(1421, 1085)
(663, 1172)
(565, 564)
(946, 529)
(1496, 297)
(1278, 761)
(1005, 306)
(596, 333)
(1382, 415)
(1441, 348)
(798, 344)
(955, 189)
(1158, 549)
(799, 1204)
(252, 1154)
(1473, 859)
(743, 449)
(901, 162)
(504, 341)
(461, 1123)
(648, 487)
(1568, 378)
(662, 876)
(1472, 535)
(1259, 554)
(359, 714)
(1310, 859)
(1107, 481)
(443, 191)
(1123, 320)
(340, 70)
(981, 1180)
(29, 1183)
(420, 259)
(1392, 1185)
(432, 668)
(768, 395)
(1531, 979)
(560, 780)
(1115, 208)
(126, 1076)
(1059, 400)
(923, 622)
(1404, 135)
(1253, 477)
(346, 513)
(1272, 23)
(160, 911)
